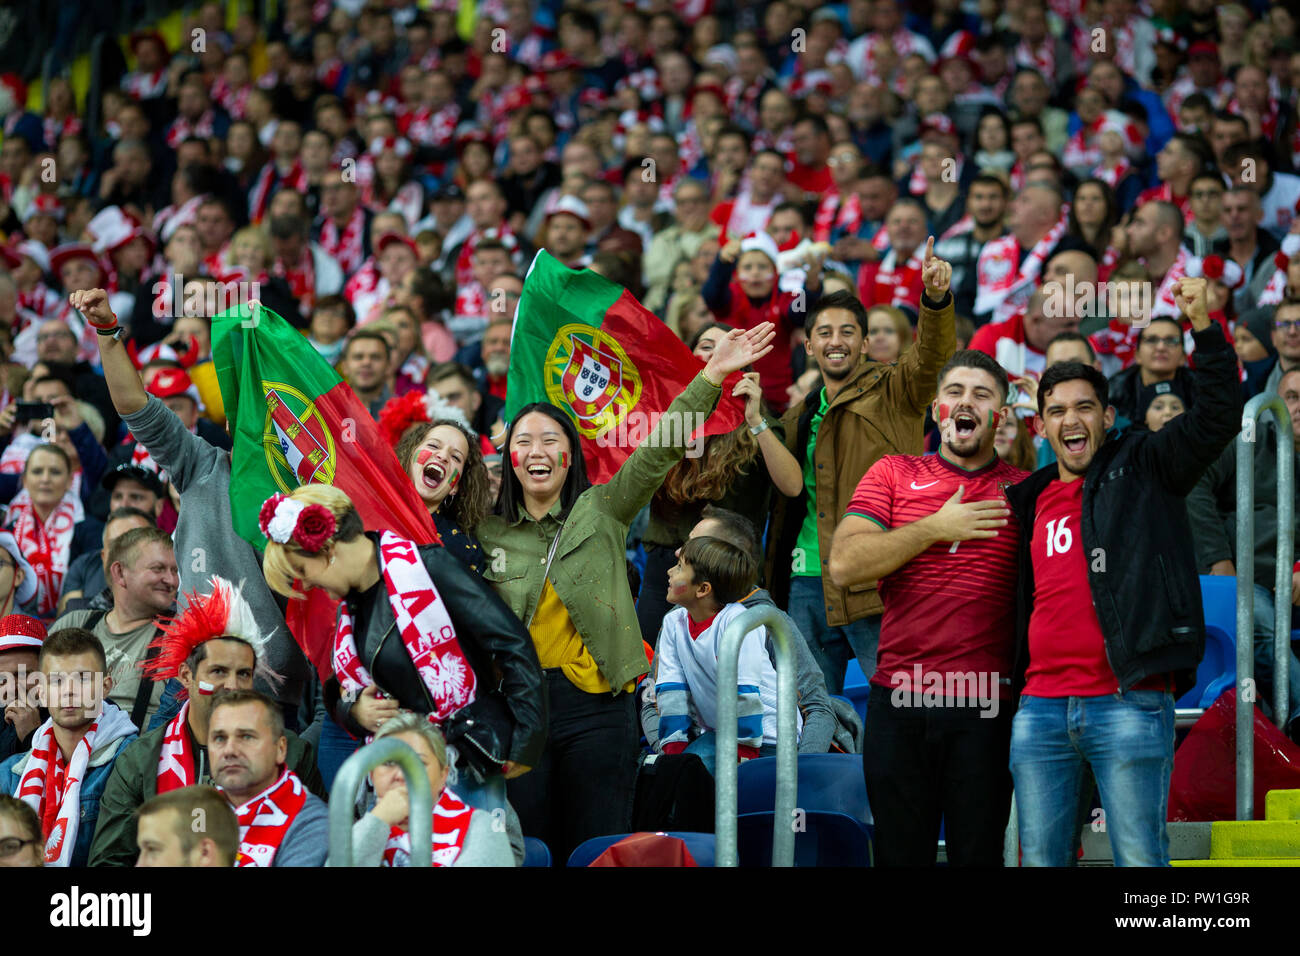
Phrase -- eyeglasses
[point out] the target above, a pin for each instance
(1169, 340)
(11, 845)
(1287, 325)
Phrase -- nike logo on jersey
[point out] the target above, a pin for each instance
(916, 487)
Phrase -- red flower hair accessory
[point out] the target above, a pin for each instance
(284, 520)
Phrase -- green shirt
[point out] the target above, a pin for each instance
(806, 546)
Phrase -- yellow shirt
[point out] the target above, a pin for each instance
(204, 377)
(559, 645)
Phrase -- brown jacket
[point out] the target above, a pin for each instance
(879, 411)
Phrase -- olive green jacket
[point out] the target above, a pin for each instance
(589, 571)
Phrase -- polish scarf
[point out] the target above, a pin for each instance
(182, 129)
(1111, 175)
(53, 790)
(176, 759)
(46, 546)
(464, 263)
(426, 628)
(346, 246)
(451, 817)
(890, 283)
(837, 212)
(1041, 59)
(145, 86)
(1164, 301)
(436, 129)
(260, 196)
(265, 820)
(1165, 192)
(1120, 338)
(1001, 284)
(301, 279)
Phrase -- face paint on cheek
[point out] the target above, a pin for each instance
(206, 689)
(455, 480)
(423, 456)
(947, 430)
(564, 459)
(515, 459)
(994, 420)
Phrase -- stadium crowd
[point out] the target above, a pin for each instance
(990, 280)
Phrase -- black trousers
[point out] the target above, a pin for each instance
(585, 782)
(924, 765)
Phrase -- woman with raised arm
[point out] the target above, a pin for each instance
(561, 542)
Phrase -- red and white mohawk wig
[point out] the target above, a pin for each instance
(222, 612)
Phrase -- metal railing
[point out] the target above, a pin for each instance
(787, 744)
(1251, 417)
(348, 782)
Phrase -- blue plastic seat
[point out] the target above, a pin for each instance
(826, 839)
(856, 688)
(1218, 668)
(827, 782)
(699, 845)
(1219, 599)
(536, 853)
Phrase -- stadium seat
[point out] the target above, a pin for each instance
(1217, 670)
(827, 782)
(536, 853)
(856, 687)
(1219, 598)
(699, 845)
(826, 839)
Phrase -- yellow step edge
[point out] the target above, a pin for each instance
(1240, 861)
(1282, 805)
(1230, 839)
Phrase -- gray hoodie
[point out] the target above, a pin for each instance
(205, 539)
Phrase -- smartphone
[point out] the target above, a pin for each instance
(33, 412)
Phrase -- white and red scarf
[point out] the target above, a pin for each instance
(14, 457)
(451, 818)
(346, 245)
(1120, 338)
(265, 820)
(464, 261)
(301, 278)
(891, 283)
(40, 300)
(472, 300)
(182, 129)
(426, 628)
(53, 789)
(748, 216)
(145, 86)
(1041, 58)
(259, 198)
(904, 42)
(1165, 303)
(234, 102)
(433, 128)
(47, 546)
(837, 212)
(917, 183)
(54, 128)
(1004, 288)
(1165, 193)
(1081, 148)
(1111, 175)
(176, 759)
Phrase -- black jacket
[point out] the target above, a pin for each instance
(494, 641)
(1136, 533)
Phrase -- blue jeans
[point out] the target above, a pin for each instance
(705, 746)
(832, 646)
(1264, 623)
(336, 746)
(1129, 744)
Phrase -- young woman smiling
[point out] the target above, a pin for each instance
(564, 574)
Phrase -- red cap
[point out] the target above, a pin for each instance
(557, 60)
(170, 382)
(388, 238)
(20, 632)
(1203, 48)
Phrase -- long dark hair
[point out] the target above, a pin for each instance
(512, 492)
(1074, 228)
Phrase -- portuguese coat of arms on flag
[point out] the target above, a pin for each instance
(584, 344)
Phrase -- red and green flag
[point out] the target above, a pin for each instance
(586, 345)
(293, 421)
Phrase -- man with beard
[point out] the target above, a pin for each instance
(1109, 623)
(866, 409)
(986, 208)
(496, 352)
(934, 530)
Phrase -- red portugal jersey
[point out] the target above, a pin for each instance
(952, 608)
(1067, 651)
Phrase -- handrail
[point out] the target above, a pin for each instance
(348, 781)
(1251, 416)
(787, 766)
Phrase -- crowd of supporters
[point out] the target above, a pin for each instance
(983, 268)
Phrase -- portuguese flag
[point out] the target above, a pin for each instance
(293, 421)
(586, 345)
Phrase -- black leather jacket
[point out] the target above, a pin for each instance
(494, 641)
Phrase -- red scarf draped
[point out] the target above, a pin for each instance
(47, 545)
(451, 819)
(346, 246)
(176, 759)
(265, 820)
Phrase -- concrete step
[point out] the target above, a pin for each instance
(1282, 805)
(1258, 839)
